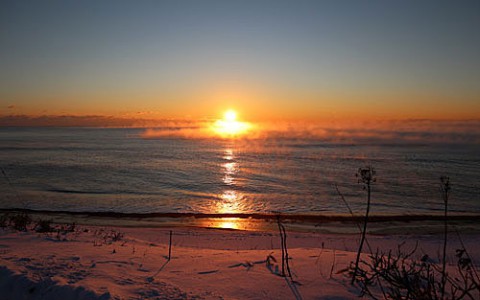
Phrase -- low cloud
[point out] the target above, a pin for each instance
(385, 132)
(361, 132)
(62, 121)
(83, 121)
(392, 132)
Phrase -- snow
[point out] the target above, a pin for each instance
(95, 262)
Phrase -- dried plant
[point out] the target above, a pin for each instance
(170, 245)
(44, 226)
(108, 237)
(20, 221)
(3, 221)
(445, 188)
(285, 257)
(366, 176)
(402, 277)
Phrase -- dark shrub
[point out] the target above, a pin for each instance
(44, 226)
(20, 221)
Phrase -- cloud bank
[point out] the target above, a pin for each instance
(385, 132)
(393, 131)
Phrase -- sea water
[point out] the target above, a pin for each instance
(117, 170)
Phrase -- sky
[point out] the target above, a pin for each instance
(269, 60)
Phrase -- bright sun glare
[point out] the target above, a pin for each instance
(229, 126)
(230, 116)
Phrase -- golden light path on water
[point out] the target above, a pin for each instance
(230, 198)
(229, 202)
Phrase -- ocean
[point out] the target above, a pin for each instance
(117, 170)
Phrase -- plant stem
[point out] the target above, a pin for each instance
(283, 251)
(353, 216)
(286, 250)
(170, 246)
(445, 229)
(362, 240)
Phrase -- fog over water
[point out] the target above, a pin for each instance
(125, 170)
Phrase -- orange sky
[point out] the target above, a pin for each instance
(261, 107)
(298, 60)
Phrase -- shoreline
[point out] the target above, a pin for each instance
(266, 216)
(334, 224)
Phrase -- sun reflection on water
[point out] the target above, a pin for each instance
(229, 172)
(230, 200)
(228, 155)
(228, 223)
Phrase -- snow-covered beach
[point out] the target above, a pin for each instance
(109, 262)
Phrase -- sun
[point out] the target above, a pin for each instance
(230, 116)
(229, 126)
